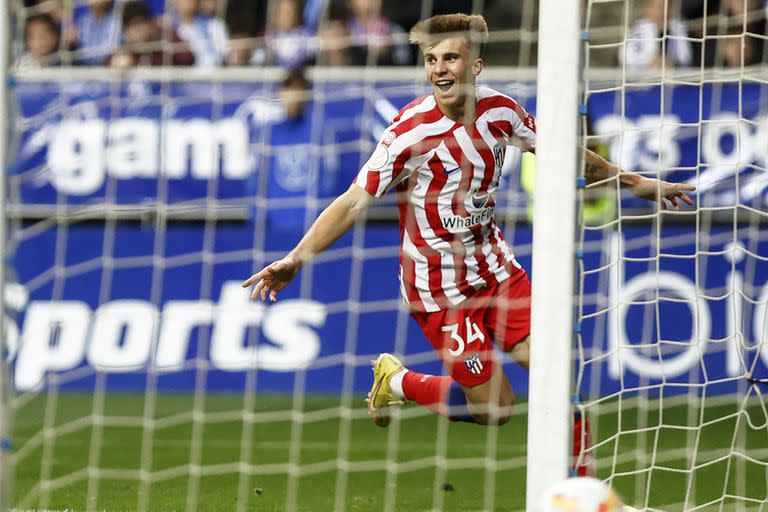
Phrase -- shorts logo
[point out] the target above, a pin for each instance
(473, 364)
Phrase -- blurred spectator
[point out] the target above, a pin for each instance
(240, 49)
(720, 17)
(643, 48)
(41, 42)
(97, 31)
(211, 8)
(144, 44)
(335, 45)
(360, 33)
(732, 49)
(293, 170)
(371, 33)
(294, 93)
(248, 15)
(288, 43)
(207, 37)
(52, 7)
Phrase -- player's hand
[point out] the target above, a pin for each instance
(273, 278)
(668, 195)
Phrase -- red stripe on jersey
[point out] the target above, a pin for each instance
(430, 116)
(499, 129)
(410, 105)
(487, 155)
(486, 104)
(372, 182)
(434, 265)
(490, 169)
(421, 147)
(409, 266)
(432, 210)
(482, 261)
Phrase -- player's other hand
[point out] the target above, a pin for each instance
(668, 195)
(273, 278)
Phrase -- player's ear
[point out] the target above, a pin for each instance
(478, 66)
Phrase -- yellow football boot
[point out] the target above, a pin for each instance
(380, 397)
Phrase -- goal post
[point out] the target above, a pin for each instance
(549, 408)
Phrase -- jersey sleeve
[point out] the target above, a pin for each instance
(523, 126)
(389, 164)
(508, 117)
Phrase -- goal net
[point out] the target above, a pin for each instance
(138, 199)
(671, 317)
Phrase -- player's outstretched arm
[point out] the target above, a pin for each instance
(597, 170)
(332, 223)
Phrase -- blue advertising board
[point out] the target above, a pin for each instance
(126, 301)
(148, 142)
(714, 136)
(672, 303)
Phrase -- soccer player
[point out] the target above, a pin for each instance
(443, 155)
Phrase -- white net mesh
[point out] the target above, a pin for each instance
(672, 304)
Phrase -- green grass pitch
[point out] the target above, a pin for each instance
(429, 477)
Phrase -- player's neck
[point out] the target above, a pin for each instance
(463, 113)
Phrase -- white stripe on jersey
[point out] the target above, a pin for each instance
(508, 254)
(474, 158)
(422, 272)
(425, 106)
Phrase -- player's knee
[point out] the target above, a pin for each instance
(494, 420)
(494, 414)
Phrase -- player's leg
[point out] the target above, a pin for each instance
(486, 403)
(490, 403)
(476, 391)
(510, 321)
(521, 352)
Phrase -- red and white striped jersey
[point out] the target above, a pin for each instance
(446, 175)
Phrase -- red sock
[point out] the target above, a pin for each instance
(427, 390)
(581, 430)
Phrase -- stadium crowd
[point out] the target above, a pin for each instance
(296, 33)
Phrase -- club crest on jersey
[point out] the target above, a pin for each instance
(473, 364)
(479, 199)
(498, 155)
(389, 138)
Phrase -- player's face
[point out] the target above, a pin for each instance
(41, 39)
(451, 70)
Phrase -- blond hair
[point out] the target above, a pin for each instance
(433, 30)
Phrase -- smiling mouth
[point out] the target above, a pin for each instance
(444, 85)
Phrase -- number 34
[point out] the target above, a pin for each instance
(473, 334)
